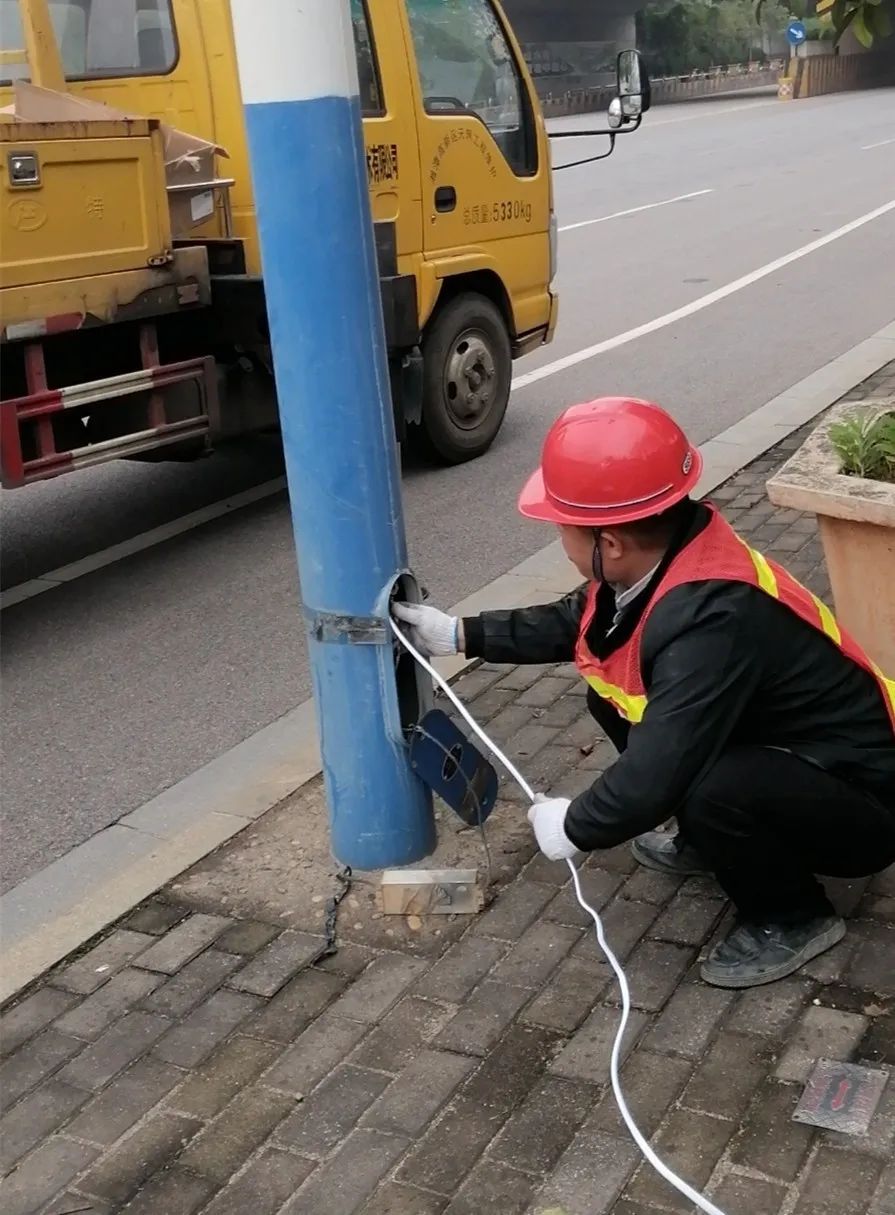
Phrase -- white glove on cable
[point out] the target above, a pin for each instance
(433, 633)
(548, 817)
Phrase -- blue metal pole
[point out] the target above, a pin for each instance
(298, 75)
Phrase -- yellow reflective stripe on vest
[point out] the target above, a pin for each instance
(827, 620)
(767, 579)
(632, 708)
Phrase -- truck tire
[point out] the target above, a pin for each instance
(467, 371)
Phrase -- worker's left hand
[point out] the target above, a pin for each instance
(548, 817)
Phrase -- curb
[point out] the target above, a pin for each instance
(59, 908)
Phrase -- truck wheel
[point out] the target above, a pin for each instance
(467, 370)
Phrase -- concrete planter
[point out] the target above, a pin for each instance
(856, 518)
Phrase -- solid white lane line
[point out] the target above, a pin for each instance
(665, 202)
(136, 544)
(67, 573)
(697, 305)
(867, 147)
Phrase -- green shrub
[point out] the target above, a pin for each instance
(865, 445)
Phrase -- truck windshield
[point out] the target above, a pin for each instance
(466, 65)
(98, 38)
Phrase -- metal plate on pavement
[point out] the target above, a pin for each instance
(841, 1096)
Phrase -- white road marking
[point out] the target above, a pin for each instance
(602, 219)
(117, 552)
(867, 147)
(649, 123)
(136, 544)
(697, 305)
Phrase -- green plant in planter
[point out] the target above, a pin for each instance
(865, 444)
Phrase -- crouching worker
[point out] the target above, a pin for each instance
(736, 703)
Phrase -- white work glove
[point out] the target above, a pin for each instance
(432, 632)
(548, 818)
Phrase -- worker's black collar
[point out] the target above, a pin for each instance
(600, 640)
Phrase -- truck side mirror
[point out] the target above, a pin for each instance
(633, 86)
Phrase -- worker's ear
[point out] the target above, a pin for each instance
(614, 544)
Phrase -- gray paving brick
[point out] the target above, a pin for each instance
(624, 923)
(183, 943)
(771, 1142)
(472, 684)
(295, 1006)
(247, 937)
(34, 1118)
(119, 1174)
(883, 1201)
(535, 956)
(749, 1194)
(461, 969)
(449, 1148)
(415, 1097)
(155, 917)
(727, 1077)
(395, 1199)
(226, 1144)
(326, 1118)
(483, 1018)
(77, 1204)
(190, 985)
(113, 1112)
(269, 1181)
(520, 678)
(544, 692)
(871, 968)
(570, 995)
(379, 987)
(589, 1177)
(654, 970)
(690, 1144)
(562, 712)
(544, 1125)
(277, 962)
(822, 1033)
(493, 1186)
(42, 1174)
(172, 1192)
(340, 1186)
(213, 1085)
(89, 1018)
(349, 960)
(514, 909)
(772, 1009)
(323, 1045)
(689, 1020)
(113, 1050)
(31, 1015)
(687, 920)
(650, 886)
(410, 1025)
(99, 964)
(597, 885)
(586, 1055)
(32, 1062)
(194, 1038)
(550, 873)
(839, 1183)
(651, 1084)
(491, 702)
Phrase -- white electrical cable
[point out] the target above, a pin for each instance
(672, 1178)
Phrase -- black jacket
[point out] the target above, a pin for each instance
(724, 665)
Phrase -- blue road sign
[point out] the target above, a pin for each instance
(796, 33)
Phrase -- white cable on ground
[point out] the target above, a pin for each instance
(687, 1190)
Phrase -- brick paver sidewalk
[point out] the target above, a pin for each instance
(196, 1059)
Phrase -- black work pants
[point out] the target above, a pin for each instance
(767, 821)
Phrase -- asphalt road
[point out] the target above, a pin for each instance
(123, 681)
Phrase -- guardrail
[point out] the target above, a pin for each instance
(817, 75)
(666, 89)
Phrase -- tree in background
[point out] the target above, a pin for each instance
(867, 19)
(680, 36)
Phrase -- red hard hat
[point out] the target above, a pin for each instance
(611, 461)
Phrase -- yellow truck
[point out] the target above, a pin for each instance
(132, 317)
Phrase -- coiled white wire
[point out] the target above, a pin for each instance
(661, 1168)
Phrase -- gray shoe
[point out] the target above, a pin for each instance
(752, 954)
(668, 854)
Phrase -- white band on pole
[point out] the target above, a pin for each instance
(294, 50)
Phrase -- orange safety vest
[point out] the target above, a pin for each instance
(717, 553)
